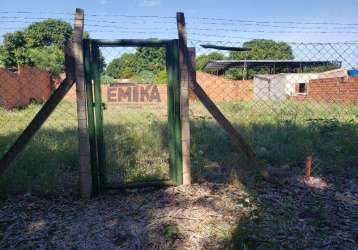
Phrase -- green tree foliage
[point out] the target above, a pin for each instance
(105, 79)
(122, 67)
(260, 49)
(40, 44)
(151, 59)
(144, 65)
(47, 33)
(264, 49)
(18, 47)
(202, 60)
(12, 49)
(50, 58)
(161, 77)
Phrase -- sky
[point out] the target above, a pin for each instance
(284, 20)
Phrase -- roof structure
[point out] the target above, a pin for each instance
(230, 48)
(222, 65)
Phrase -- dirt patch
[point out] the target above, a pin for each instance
(173, 218)
(315, 213)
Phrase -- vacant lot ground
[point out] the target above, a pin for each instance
(314, 214)
(251, 213)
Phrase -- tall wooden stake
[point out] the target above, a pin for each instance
(234, 135)
(84, 144)
(184, 98)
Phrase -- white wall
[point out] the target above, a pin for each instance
(278, 87)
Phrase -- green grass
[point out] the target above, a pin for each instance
(136, 141)
(281, 133)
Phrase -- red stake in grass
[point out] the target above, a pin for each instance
(308, 168)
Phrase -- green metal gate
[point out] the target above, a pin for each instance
(96, 118)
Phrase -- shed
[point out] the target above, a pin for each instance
(280, 86)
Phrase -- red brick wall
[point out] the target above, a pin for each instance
(9, 89)
(29, 83)
(335, 89)
(219, 88)
(18, 89)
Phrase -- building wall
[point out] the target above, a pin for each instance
(18, 89)
(270, 88)
(220, 89)
(217, 88)
(334, 89)
(280, 86)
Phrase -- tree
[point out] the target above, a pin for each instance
(20, 47)
(264, 49)
(144, 65)
(151, 59)
(50, 58)
(122, 67)
(260, 49)
(16, 47)
(47, 33)
(202, 60)
(11, 51)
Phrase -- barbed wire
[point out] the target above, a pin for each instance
(161, 24)
(173, 17)
(278, 22)
(189, 23)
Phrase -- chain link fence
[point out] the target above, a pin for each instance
(50, 161)
(135, 117)
(289, 100)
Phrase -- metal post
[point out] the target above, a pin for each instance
(174, 124)
(88, 62)
(99, 115)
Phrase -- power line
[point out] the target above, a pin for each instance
(271, 26)
(318, 29)
(277, 31)
(278, 22)
(231, 20)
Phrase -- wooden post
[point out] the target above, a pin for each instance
(84, 143)
(184, 99)
(234, 135)
(42, 115)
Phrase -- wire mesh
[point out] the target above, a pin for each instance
(286, 113)
(134, 92)
(285, 105)
(49, 161)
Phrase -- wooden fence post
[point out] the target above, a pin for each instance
(184, 98)
(234, 135)
(83, 135)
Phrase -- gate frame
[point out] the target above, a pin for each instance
(95, 115)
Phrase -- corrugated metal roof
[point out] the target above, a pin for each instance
(226, 64)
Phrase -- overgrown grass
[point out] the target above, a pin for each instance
(281, 133)
(136, 140)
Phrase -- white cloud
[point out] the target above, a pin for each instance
(149, 3)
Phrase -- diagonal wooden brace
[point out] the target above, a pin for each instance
(46, 110)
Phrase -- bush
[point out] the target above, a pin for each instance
(105, 79)
(161, 77)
